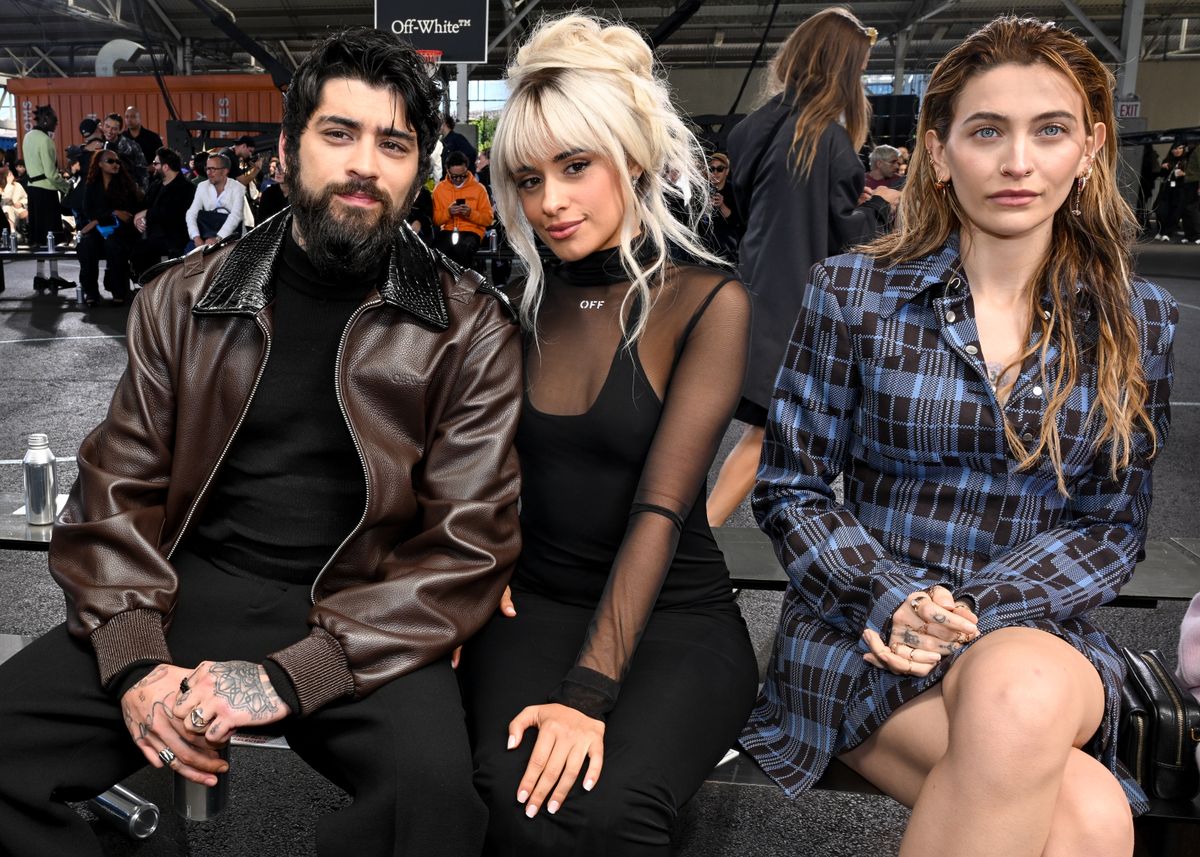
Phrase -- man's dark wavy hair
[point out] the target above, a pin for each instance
(377, 59)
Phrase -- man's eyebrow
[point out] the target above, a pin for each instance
(990, 116)
(355, 125)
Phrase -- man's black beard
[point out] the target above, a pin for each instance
(350, 241)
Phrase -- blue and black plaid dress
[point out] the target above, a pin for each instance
(884, 383)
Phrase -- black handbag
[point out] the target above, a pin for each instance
(1159, 728)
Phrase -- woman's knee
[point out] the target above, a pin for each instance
(1024, 688)
(1092, 815)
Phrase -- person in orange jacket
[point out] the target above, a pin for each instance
(461, 211)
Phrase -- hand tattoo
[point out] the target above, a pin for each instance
(911, 638)
(246, 688)
(940, 618)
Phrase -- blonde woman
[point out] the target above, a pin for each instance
(622, 671)
(992, 383)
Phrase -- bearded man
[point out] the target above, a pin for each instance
(302, 499)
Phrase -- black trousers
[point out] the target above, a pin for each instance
(45, 215)
(464, 251)
(401, 753)
(688, 692)
(115, 250)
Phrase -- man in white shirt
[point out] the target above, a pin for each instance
(216, 211)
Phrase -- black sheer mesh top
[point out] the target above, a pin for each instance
(615, 445)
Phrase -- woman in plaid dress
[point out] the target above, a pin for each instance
(992, 383)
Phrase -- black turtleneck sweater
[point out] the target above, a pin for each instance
(292, 486)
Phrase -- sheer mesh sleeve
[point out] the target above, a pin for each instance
(702, 390)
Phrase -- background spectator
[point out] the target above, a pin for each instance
(129, 151)
(216, 210)
(243, 166)
(884, 168)
(452, 142)
(726, 224)
(483, 169)
(1191, 195)
(13, 199)
(420, 216)
(274, 197)
(461, 211)
(44, 184)
(147, 140)
(110, 198)
(1169, 206)
(21, 173)
(163, 221)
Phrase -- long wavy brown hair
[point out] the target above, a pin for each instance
(820, 69)
(121, 192)
(1087, 266)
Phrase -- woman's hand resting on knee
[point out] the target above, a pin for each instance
(506, 607)
(928, 625)
(566, 739)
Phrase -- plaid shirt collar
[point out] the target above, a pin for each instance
(909, 280)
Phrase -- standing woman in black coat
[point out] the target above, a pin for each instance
(797, 173)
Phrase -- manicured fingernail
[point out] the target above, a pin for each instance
(552, 807)
(522, 796)
(512, 741)
(530, 811)
(224, 769)
(588, 785)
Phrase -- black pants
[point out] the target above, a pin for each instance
(45, 215)
(115, 250)
(150, 251)
(1191, 211)
(686, 697)
(464, 251)
(401, 753)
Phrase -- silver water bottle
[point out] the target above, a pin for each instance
(128, 811)
(41, 481)
(51, 246)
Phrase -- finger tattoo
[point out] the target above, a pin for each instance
(911, 638)
(940, 618)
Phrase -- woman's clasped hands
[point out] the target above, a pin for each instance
(927, 626)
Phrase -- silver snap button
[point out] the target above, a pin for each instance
(971, 349)
(1027, 437)
(950, 316)
(1037, 391)
(1046, 314)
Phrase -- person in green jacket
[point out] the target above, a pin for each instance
(45, 186)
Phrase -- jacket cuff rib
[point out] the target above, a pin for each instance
(318, 669)
(135, 635)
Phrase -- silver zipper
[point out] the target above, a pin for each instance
(241, 418)
(1169, 686)
(337, 386)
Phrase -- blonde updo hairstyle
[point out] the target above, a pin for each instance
(581, 83)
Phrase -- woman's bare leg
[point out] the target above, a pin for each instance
(989, 761)
(736, 476)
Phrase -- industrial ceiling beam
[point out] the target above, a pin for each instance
(1093, 28)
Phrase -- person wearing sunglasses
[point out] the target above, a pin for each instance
(163, 219)
(110, 197)
(725, 225)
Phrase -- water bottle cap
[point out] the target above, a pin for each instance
(39, 441)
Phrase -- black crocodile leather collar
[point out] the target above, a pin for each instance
(242, 284)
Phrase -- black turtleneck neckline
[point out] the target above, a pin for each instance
(302, 275)
(603, 267)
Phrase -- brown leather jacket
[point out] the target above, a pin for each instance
(429, 378)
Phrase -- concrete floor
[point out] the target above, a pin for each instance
(59, 366)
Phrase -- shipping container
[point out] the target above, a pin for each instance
(249, 98)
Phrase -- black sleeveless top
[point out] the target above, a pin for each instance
(615, 443)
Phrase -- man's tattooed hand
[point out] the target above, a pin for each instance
(245, 687)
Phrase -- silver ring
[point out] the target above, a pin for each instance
(197, 718)
(166, 755)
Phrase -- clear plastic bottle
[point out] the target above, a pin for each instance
(41, 481)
